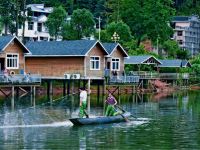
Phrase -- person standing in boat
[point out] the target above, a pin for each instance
(83, 103)
(111, 102)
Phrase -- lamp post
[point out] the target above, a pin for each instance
(99, 23)
(115, 37)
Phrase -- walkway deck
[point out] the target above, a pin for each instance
(18, 79)
(137, 76)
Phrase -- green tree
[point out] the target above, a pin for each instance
(70, 6)
(1, 25)
(196, 60)
(23, 18)
(121, 29)
(5, 13)
(171, 47)
(68, 33)
(82, 22)
(182, 54)
(100, 11)
(96, 7)
(12, 14)
(149, 18)
(196, 64)
(114, 9)
(187, 7)
(56, 21)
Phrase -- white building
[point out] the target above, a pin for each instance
(187, 33)
(35, 29)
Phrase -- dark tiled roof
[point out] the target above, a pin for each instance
(136, 59)
(139, 59)
(185, 63)
(109, 47)
(170, 63)
(180, 18)
(4, 40)
(71, 48)
(176, 63)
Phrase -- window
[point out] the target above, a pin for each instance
(39, 27)
(12, 61)
(94, 63)
(20, 26)
(30, 25)
(115, 64)
(180, 33)
(180, 42)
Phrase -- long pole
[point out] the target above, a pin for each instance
(192, 50)
(99, 28)
(157, 45)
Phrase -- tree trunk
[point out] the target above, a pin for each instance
(6, 29)
(24, 19)
(194, 3)
(138, 41)
(17, 19)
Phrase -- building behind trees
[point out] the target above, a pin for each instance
(187, 33)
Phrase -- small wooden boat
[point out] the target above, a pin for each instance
(100, 120)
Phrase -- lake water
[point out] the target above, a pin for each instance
(165, 121)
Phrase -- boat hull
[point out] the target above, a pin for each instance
(99, 120)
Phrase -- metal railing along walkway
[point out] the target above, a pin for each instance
(156, 75)
(124, 79)
(20, 79)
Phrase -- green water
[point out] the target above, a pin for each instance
(166, 121)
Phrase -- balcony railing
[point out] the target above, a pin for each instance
(20, 79)
(156, 75)
(124, 79)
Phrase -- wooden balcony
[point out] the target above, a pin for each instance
(124, 79)
(135, 77)
(164, 76)
(19, 79)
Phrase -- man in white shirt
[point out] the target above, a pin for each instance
(83, 103)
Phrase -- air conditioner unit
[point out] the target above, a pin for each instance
(67, 76)
(76, 76)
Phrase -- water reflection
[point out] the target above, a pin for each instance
(39, 123)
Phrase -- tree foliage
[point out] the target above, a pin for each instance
(82, 22)
(56, 21)
(196, 64)
(173, 50)
(140, 18)
(12, 14)
(182, 54)
(114, 9)
(68, 32)
(171, 47)
(120, 28)
(6, 13)
(149, 18)
(96, 7)
(187, 7)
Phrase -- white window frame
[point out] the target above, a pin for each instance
(17, 67)
(39, 26)
(32, 25)
(95, 61)
(115, 65)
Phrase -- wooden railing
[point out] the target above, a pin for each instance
(124, 79)
(156, 75)
(136, 76)
(20, 79)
